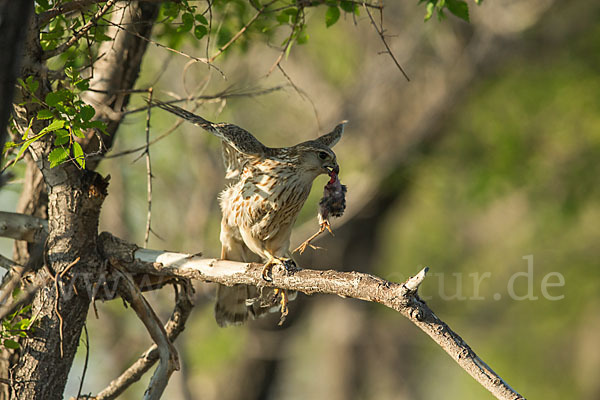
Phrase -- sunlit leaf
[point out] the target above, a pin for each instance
(57, 156)
(78, 154)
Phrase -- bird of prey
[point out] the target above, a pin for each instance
(260, 206)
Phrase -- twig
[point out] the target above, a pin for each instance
(85, 363)
(57, 280)
(173, 327)
(287, 45)
(169, 360)
(202, 60)
(380, 32)
(92, 22)
(302, 94)
(148, 171)
(9, 283)
(240, 32)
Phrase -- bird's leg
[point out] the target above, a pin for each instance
(284, 302)
(324, 225)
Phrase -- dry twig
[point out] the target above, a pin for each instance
(380, 31)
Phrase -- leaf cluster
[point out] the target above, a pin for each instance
(68, 119)
(16, 325)
(458, 8)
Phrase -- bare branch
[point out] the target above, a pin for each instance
(380, 32)
(148, 171)
(173, 327)
(23, 227)
(24, 299)
(169, 361)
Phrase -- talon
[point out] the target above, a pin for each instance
(325, 225)
(267, 272)
(284, 302)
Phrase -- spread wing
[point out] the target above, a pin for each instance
(238, 143)
(330, 139)
(237, 138)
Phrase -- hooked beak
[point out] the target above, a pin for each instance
(332, 169)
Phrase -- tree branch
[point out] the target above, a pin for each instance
(401, 297)
(173, 327)
(169, 361)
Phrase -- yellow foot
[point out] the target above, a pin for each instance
(284, 302)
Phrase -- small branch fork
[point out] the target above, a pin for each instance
(128, 260)
(380, 31)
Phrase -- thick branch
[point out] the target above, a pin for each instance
(400, 297)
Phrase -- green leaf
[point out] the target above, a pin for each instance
(101, 126)
(187, 20)
(200, 18)
(58, 156)
(83, 84)
(282, 18)
(348, 6)
(31, 84)
(429, 12)
(459, 8)
(52, 99)
(22, 324)
(79, 154)
(11, 344)
(77, 132)
(302, 37)
(200, 31)
(25, 146)
(8, 145)
(54, 125)
(87, 112)
(45, 114)
(62, 137)
(331, 16)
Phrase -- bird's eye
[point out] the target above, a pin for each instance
(322, 155)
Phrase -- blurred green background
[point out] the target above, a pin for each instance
(486, 161)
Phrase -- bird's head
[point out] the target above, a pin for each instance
(317, 158)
